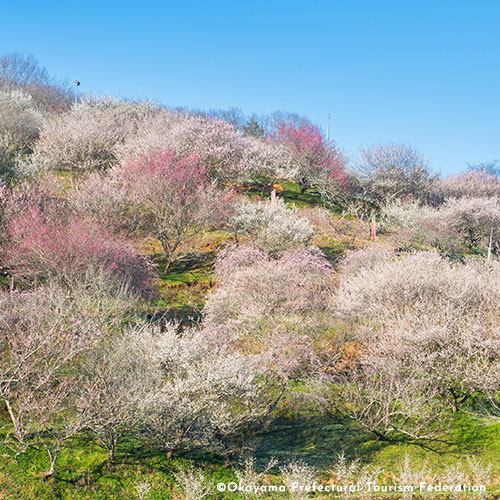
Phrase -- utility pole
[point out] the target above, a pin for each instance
(328, 129)
(77, 84)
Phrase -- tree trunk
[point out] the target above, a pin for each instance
(169, 252)
(17, 432)
(111, 454)
(50, 472)
(379, 435)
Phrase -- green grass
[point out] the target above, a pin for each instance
(335, 251)
(4, 280)
(192, 268)
(184, 287)
(318, 439)
(314, 439)
(83, 472)
(261, 187)
(291, 193)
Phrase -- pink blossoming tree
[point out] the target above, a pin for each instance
(216, 143)
(171, 198)
(44, 244)
(314, 162)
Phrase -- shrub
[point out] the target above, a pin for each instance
(100, 198)
(41, 336)
(414, 281)
(262, 156)
(459, 222)
(102, 298)
(250, 477)
(277, 311)
(152, 135)
(142, 490)
(474, 219)
(276, 308)
(19, 124)
(203, 391)
(404, 215)
(426, 331)
(354, 472)
(473, 184)
(276, 228)
(4, 197)
(169, 197)
(84, 139)
(20, 72)
(193, 483)
(216, 143)
(297, 476)
(115, 376)
(387, 398)
(414, 474)
(419, 226)
(38, 193)
(41, 245)
(345, 229)
(356, 261)
(394, 171)
(435, 232)
(311, 162)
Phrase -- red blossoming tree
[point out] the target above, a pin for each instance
(45, 245)
(314, 162)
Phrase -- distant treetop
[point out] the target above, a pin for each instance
(18, 71)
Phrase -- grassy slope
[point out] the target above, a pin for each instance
(83, 471)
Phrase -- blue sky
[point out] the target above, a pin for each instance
(423, 72)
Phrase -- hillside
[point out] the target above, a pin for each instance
(186, 303)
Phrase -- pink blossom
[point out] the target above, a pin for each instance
(313, 161)
(65, 247)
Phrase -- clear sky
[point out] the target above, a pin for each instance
(420, 71)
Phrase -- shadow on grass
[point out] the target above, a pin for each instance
(192, 267)
(183, 288)
(301, 200)
(316, 440)
(289, 192)
(83, 470)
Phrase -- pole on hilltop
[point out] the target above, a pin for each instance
(77, 84)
